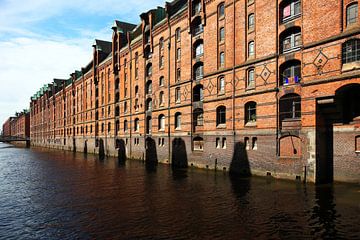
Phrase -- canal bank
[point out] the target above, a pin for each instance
(50, 194)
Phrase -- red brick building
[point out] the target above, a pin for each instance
(262, 87)
(18, 126)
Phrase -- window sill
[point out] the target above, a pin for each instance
(289, 19)
(251, 30)
(221, 126)
(291, 50)
(250, 124)
(178, 129)
(221, 93)
(250, 88)
(347, 67)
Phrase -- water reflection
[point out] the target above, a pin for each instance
(48, 194)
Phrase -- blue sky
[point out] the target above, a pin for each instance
(45, 39)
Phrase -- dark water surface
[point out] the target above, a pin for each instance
(46, 194)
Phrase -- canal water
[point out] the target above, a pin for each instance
(48, 194)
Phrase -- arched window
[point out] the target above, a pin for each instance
(161, 43)
(290, 9)
(197, 26)
(251, 21)
(161, 98)
(250, 78)
(220, 115)
(161, 122)
(198, 117)
(198, 70)
(178, 34)
(178, 74)
(250, 112)
(351, 51)
(149, 104)
(221, 10)
(177, 95)
(125, 126)
(177, 120)
(290, 72)
(149, 70)
(222, 34)
(222, 59)
(198, 94)
(178, 54)
(221, 84)
(290, 39)
(352, 14)
(198, 48)
(149, 87)
(136, 125)
(161, 81)
(251, 49)
(290, 106)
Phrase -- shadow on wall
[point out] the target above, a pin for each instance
(101, 149)
(120, 145)
(179, 155)
(240, 162)
(85, 147)
(151, 158)
(74, 145)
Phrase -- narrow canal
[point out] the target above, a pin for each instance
(48, 194)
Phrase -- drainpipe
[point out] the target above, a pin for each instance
(130, 104)
(233, 72)
(277, 79)
(168, 83)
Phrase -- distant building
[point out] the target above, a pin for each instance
(263, 87)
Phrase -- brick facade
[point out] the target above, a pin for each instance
(247, 86)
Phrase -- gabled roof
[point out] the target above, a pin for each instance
(123, 27)
(103, 46)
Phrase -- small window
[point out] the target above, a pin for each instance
(178, 54)
(222, 34)
(149, 104)
(198, 93)
(218, 143)
(177, 95)
(290, 72)
(291, 40)
(161, 81)
(198, 117)
(222, 59)
(161, 61)
(351, 51)
(220, 115)
(223, 145)
(125, 107)
(161, 123)
(198, 143)
(149, 87)
(251, 21)
(250, 78)
(247, 143)
(250, 112)
(196, 7)
(199, 49)
(198, 70)
(177, 120)
(290, 10)
(221, 10)
(221, 86)
(109, 127)
(178, 34)
(136, 125)
(161, 98)
(290, 107)
(161, 43)
(352, 14)
(136, 90)
(178, 74)
(254, 143)
(251, 49)
(148, 70)
(125, 126)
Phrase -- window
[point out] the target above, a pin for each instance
(290, 106)
(290, 72)
(178, 74)
(109, 127)
(148, 124)
(161, 43)
(247, 143)
(136, 125)
(221, 10)
(220, 115)
(223, 145)
(218, 143)
(221, 85)
(222, 59)
(351, 51)
(136, 104)
(125, 107)
(177, 95)
(197, 26)
(222, 34)
(178, 34)
(161, 61)
(199, 48)
(117, 111)
(251, 49)
(198, 143)
(117, 127)
(161, 98)
(149, 104)
(198, 70)
(149, 87)
(161, 81)
(290, 10)
(178, 54)
(196, 7)
(290, 39)
(177, 120)
(198, 117)
(198, 93)
(351, 14)
(149, 70)
(250, 78)
(161, 122)
(125, 126)
(251, 21)
(250, 112)
(254, 143)
(136, 90)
